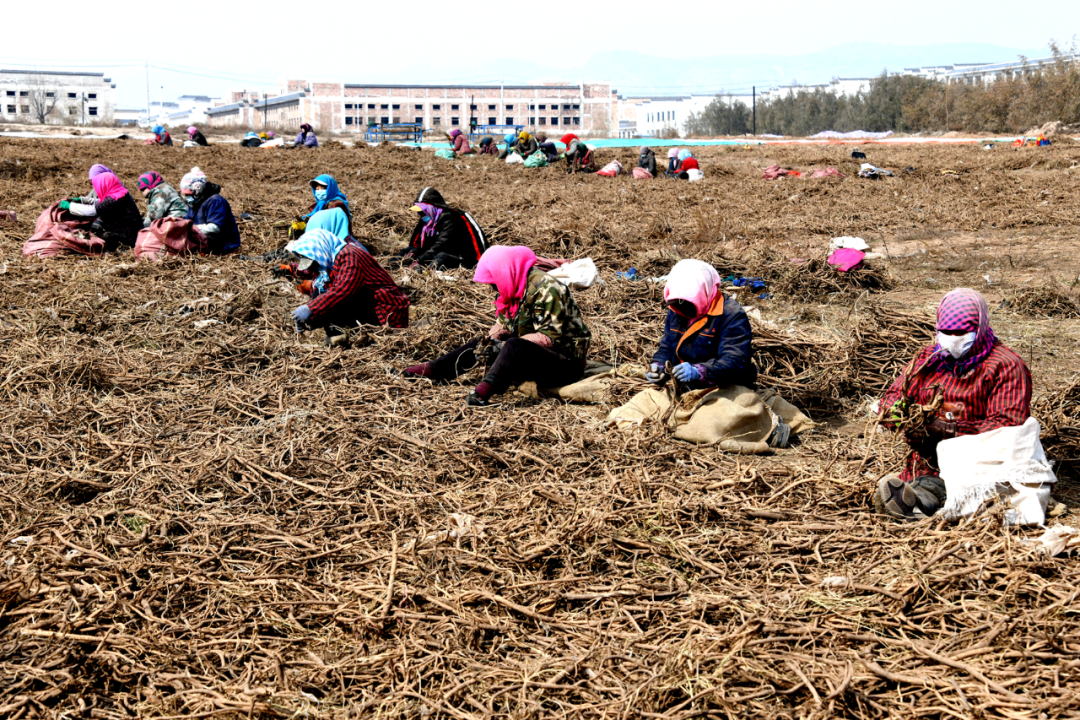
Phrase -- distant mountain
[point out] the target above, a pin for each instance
(637, 74)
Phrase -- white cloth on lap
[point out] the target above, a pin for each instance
(1009, 462)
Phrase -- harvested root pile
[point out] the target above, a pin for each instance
(817, 281)
(205, 515)
(1048, 301)
(1059, 413)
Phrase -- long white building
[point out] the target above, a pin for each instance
(56, 98)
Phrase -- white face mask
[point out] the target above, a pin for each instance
(956, 345)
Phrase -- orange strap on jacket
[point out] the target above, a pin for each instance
(700, 322)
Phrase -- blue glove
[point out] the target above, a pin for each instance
(656, 374)
(685, 372)
(65, 205)
(302, 314)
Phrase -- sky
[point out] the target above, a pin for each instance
(232, 47)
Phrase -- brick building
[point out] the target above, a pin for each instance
(587, 108)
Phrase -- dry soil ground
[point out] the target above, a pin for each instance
(234, 520)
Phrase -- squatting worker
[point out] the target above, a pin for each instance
(547, 147)
(116, 216)
(510, 140)
(526, 144)
(306, 138)
(538, 334)
(646, 164)
(488, 146)
(328, 195)
(210, 213)
(984, 386)
(707, 336)
(684, 163)
(443, 237)
(161, 136)
(348, 287)
(459, 143)
(162, 201)
(196, 136)
(579, 158)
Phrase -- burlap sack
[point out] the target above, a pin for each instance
(169, 236)
(58, 233)
(735, 419)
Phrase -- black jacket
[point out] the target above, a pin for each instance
(456, 233)
(199, 138)
(648, 161)
(525, 149)
(120, 218)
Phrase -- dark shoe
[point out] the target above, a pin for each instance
(930, 494)
(475, 400)
(915, 500)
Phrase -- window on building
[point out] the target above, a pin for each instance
(348, 119)
(384, 107)
(396, 107)
(491, 107)
(436, 121)
(454, 107)
(50, 94)
(436, 107)
(71, 110)
(543, 121)
(11, 93)
(72, 95)
(566, 121)
(543, 107)
(577, 121)
(532, 107)
(11, 109)
(577, 107)
(26, 93)
(509, 107)
(554, 121)
(25, 109)
(371, 106)
(418, 107)
(454, 120)
(348, 106)
(384, 120)
(565, 107)
(509, 121)
(419, 121)
(92, 96)
(472, 107)
(492, 120)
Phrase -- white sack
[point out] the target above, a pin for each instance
(577, 275)
(1009, 462)
(851, 243)
(514, 159)
(693, 175)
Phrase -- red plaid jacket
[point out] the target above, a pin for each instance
(358, 280)
(997, 393)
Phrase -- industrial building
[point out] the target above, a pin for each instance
(56, 98)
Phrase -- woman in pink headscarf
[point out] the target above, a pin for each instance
(117, 217)
(459, 143)
(196, 136)
(538, 333)
(983, 386)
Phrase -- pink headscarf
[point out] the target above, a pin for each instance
(507, 268)
(107, 185)
(97, 170)
(454, 133)
(965, 310)
(192, 130)
(673, 153)
(696, 282)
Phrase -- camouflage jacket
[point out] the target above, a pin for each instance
(549, 308)
(163, 202)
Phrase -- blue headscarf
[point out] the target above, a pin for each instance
(157, 129)
(332, 193)
(683, 154)
(250, 135)
(323, 247)
(510, 138)
(333, 220)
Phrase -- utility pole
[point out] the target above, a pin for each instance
(146, 66)
(754, 91)
(84, 108)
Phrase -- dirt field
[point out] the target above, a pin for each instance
(229, 520)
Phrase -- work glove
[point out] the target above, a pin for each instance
(308, 288)
(498, 332)
(685, 372)
(656, 374)
(282, 270)
(297, 229)
(941, 428)
(65, 205)
(300, 316)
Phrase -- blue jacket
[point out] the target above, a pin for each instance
(720, 344)
(211, 208)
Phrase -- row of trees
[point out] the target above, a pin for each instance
(903, 103)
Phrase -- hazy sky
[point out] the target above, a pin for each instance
(224, 45)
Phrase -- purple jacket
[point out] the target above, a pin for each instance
(309, 141)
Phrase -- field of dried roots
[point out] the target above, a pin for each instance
(226, 519)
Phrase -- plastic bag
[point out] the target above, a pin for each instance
(537, 159)
(514, 159)
(694, 175)
(444, 153)
(577, 275)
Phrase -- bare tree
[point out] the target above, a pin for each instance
(43, 98)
